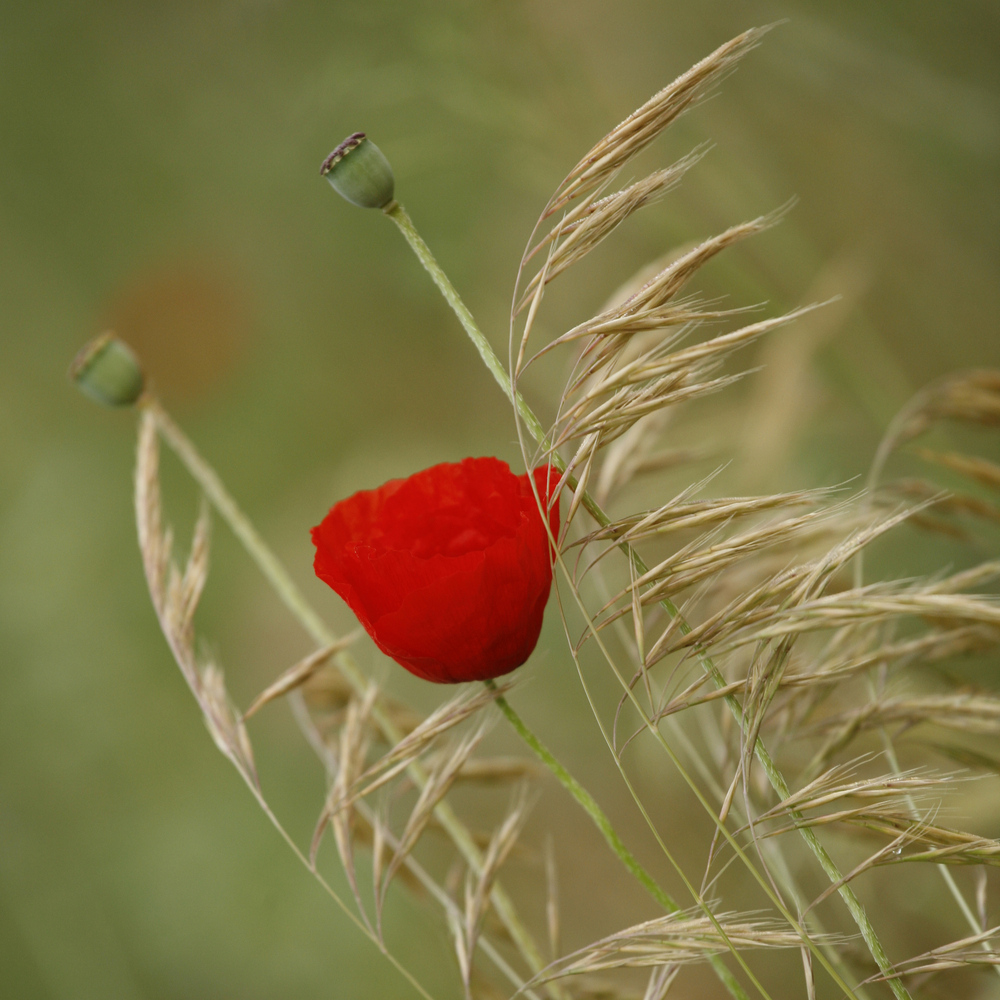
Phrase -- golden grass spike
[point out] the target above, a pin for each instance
(980, 469)
(830, 788)
(695, 562)
(875, 604)
(969, 396)
(183, 599)
(477, 896)
(153, 545)
(647, 122)
(579, 232)
(967, 951)
(611, 333)
(967, 712)
(609, 324)
(661, 979)
(728, 628)
(936, 502)
(224, 724)
(352, 754)
(692, 358)
(614, 418)
(633, 196)
(442, 720)
(733, 623)
(679, 938)
(660, 289)
(658, 363)
(439, 781)
(297, 675)
(682, 516)
(175, 595)
(935, 645)
(932, 843)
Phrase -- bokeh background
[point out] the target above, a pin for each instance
(159, 176)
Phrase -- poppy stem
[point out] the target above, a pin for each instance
(601, 821)
(399, 215)
(584, 798)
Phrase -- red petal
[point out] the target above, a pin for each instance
(448, 570)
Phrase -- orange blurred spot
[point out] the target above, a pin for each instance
(188, 324)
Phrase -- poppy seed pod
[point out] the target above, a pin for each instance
(108, 371)
(449, 571)
(359, 172)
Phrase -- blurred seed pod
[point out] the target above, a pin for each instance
(107, 370)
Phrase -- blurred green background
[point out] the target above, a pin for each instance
(159, 175)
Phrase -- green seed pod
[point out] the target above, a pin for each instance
(108, 371)
(359, 172)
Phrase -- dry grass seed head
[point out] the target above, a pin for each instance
(966, 396)
(645, 124)
(477, 891)
(439, 781)
(581, 230)
(594, 219)
(980, 469)
(967, 951)
(175, 595)
(925, 649)
(660, 980)
(679, 938)
(342, 819)
(831, 788)
(968, 712)
(927, 842)
(682, 515)
(295, 676)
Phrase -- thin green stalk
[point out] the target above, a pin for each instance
(398, 215)
(585, 799)
(776, 858)
(395, 211)
(285, 587)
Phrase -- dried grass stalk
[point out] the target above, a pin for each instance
(644, 125)
(679, 938)
(175, 595)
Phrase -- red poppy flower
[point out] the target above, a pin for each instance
(448, 570)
